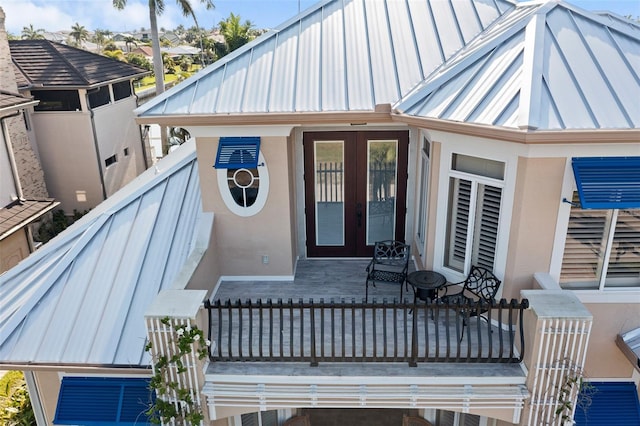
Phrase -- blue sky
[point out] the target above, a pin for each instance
(53, 15)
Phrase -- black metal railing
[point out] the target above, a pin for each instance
(342, 331)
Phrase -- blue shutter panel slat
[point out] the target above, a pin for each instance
(608, 403)
(103, 401)
(607, 182)
(238, 153)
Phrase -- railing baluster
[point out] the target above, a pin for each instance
(237, 320)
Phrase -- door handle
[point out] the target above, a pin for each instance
(359, 214)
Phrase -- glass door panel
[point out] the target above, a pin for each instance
(329, 192)
(382, 177)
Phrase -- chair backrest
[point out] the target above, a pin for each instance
(482, 283)
(392, 252)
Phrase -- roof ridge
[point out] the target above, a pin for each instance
(54, 45)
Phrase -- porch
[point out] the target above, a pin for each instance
(314, 342)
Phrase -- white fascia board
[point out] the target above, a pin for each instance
(225, 131)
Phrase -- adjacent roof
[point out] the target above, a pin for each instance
(545, 66)
(339, 55)
(20, 213)
(537, 65)
(9, 102)
(43, 63)
(81, 298)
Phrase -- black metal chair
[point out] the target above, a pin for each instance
(390, 263)
(479, 288)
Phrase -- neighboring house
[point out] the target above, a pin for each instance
(481, 133)
(179, 51)
(146, 51)
(23, 193)
(82, 127)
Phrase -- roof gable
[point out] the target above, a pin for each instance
(544, 66)
(49, 64)
(339, 55)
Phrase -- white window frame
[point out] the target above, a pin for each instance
(263, 190)
(475, 180)
(423, 196)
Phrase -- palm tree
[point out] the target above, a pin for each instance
(99, 37)
(79, 33)
(156, 7)
(235, 34)
(30, 33)
(128, 41)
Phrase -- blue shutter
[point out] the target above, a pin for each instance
(103, 401)
(607, 182)
(608, 403)
(238, 153)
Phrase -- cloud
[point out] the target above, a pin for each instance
(22, 14)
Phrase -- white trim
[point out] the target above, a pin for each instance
(261, 198)
(610, 295)
(223, 131)
(34, 396)
(254, 278)
(562, 223)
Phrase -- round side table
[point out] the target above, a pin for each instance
(425, 284)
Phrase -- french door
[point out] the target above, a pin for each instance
(355, 191)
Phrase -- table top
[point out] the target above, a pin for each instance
(426, 279)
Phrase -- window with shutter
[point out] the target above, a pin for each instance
(602, 249)
(475, 198)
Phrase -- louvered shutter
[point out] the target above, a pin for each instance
(459, 211)
(486, 226)
(608, 403)
(624, 259)
(249, 419)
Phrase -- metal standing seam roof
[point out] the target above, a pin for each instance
(546, 66)
(43, 63)
(339, 55)
(81, 298)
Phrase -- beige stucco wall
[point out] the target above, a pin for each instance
(13, 249)
(116, 130)
(535, 210)
(67, 153)
(604, 358)
(242, 241)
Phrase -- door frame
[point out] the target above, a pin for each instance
(355, 145)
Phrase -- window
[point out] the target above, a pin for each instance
(111, 160)
(424, 190)
(243, 178)
(99, 97)
(475, 196)
(126, 152)
(263, 418)
(602, 249)
(121, 90)
(57, 100)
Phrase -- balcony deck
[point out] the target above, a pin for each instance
(343, 280)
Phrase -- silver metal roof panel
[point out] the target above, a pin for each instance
(340, 55)
(567, 69)
(81, 298)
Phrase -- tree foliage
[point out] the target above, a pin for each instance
(30, 33)
(235, 33)
(79, 34)
(15, 405)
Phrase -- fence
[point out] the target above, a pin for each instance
(317, 332)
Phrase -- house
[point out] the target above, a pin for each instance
(82, 126)
(23, 194)
(496, 134)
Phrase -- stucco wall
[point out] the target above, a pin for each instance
(67, 152)
(13, 249)
(116, 130)
(535, 210)
(242, 241)
(604, 358)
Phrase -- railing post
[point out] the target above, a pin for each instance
(312, 324)
(413, 361)
(172, 315)
(556, 328)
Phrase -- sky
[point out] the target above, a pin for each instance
(55, 15)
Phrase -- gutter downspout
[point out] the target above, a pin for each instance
(34, 396)
(143, 133)
(12, 158)
(95, 140)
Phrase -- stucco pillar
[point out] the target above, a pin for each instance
(557, 328)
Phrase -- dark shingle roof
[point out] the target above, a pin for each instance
(8, 100)
(20, 213)
(49, 64)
